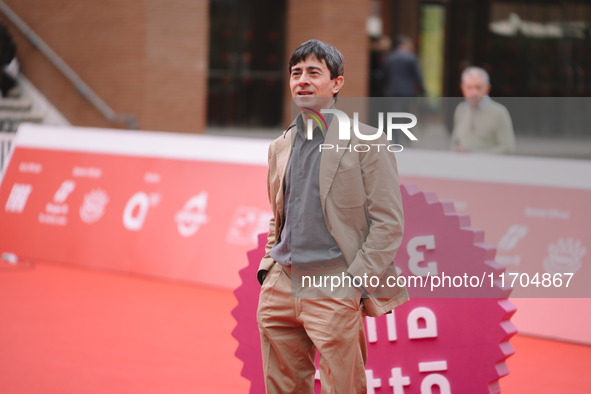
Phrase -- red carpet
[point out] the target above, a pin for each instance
(70, 330)
(65, 329)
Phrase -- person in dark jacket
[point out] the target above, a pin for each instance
(403, 75)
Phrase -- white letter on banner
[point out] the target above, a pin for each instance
(372, 383)
(391, 324)
(415, 257)
(412, 322)
(398, 381)
(372, 333)
(438, 380)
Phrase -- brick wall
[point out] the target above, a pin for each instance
(150, 57)
(143, 57)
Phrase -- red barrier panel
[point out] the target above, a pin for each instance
(143, 212)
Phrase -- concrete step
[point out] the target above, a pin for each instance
(18, 109)
(24, 116)
(9, 120)
(19, 104)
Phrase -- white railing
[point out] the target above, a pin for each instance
(5, 145)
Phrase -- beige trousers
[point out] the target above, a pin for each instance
(292, 331)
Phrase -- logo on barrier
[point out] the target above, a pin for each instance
(93, 206)
(64, 191)
(17, 199)
(508, 242)
(57, 210)
(512, 236)
(192, 216)
(564, 256)
(247, 223)
(136, 209)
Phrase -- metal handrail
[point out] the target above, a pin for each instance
(67, 71)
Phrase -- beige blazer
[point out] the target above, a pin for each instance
(360, 196)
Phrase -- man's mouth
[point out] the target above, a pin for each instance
(304, 93)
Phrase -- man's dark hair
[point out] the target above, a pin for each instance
(322, 51)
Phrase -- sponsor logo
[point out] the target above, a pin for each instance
(512, 236)
(30, 167)
(508, 242)
(564, 256)
(93, 205)
(136, 209)
(64, 191)
(152, 177)
(192, 216)
(57, 210)
(246, 225)
(87, 172)
(18, 197)
(540, 213)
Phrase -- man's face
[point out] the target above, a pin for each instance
(474, 89)
(310, 84)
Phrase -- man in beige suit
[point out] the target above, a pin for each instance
(337, 214)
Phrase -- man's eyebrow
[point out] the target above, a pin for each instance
(308, 68)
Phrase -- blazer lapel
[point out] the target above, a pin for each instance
(329, 162)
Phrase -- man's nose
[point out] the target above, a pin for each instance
(303, 80)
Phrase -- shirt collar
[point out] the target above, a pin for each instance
(482, 103)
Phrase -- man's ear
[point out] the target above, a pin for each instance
(338, 83)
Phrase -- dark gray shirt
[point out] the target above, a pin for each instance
(304, 237)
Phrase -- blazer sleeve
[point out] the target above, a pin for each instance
(267, 262)
(384, 214)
